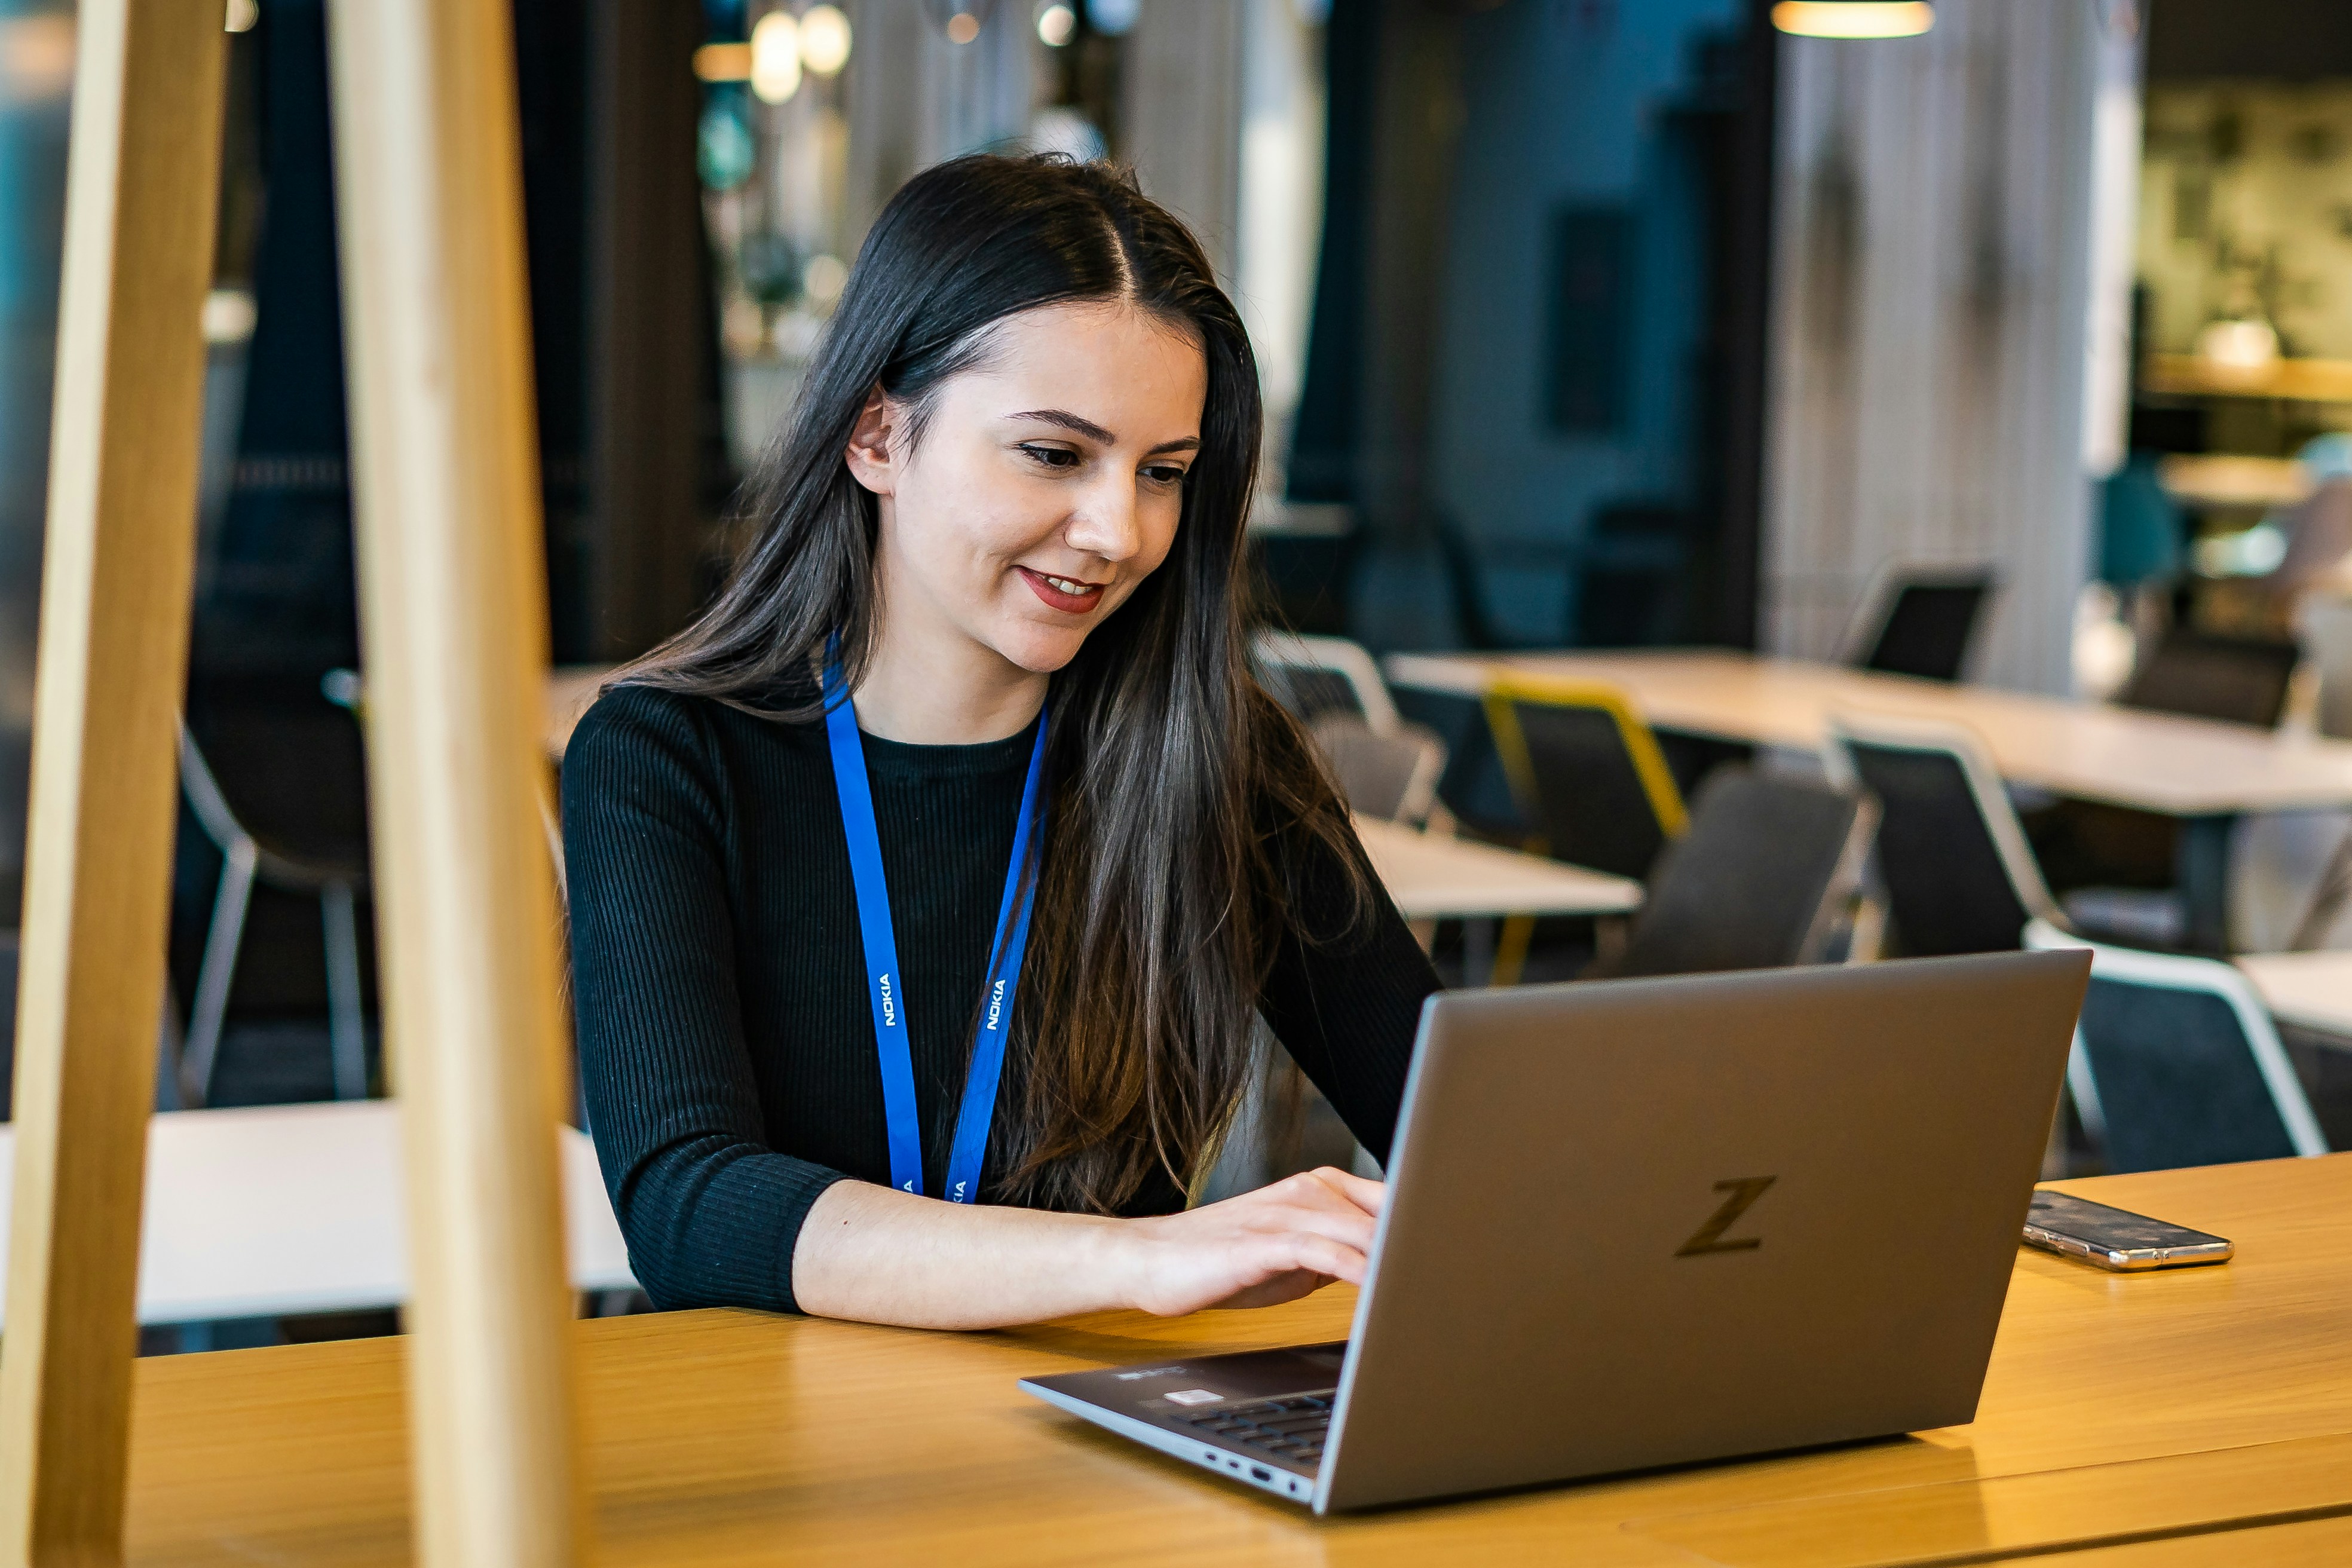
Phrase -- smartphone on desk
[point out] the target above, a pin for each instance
(2116, 1238)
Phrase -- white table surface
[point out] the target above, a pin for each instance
(2312, 990)
(1432, 878)
(276, 1209)
(2092, 751)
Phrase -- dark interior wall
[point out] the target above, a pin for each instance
(2286, 40)
(655, 459)
(1538, 361)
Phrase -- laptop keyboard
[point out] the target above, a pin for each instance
(1291, 1428)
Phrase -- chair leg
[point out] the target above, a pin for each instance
(2085, 1090)
(2327, 900)
(171, 1046)
(221, 944)
(345, 1033)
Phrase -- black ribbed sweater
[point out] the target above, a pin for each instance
(726, 1047)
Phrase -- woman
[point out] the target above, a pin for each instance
(995, 603)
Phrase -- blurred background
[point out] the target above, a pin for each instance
(1584, 323)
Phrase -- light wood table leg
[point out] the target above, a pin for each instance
(453, 609)
(143, 175)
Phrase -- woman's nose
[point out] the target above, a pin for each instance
(1106, 523)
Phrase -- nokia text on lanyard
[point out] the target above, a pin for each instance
(884, 984)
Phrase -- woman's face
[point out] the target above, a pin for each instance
(1046, 485)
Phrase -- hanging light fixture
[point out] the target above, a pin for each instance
(1854, 18)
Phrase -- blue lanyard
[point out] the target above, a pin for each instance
(885, 985)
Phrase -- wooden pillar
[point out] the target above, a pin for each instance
(142, 173)
(454, 620)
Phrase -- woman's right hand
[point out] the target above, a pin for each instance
(1260, 1248)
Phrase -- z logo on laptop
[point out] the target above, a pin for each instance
(1709, 1237)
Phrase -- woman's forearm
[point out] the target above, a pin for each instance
(884, 1257)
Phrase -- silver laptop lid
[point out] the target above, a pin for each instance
(1646, 1222)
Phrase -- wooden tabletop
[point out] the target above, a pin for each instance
(267, 1210)
(2310, 989)
(1435, 878)
(2116, 1406)
(2092, 751)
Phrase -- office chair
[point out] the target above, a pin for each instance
(1958, 875)
(1587, 772)
(244, 860)
(1393, 776)
(1312, 676)
(2239, 680)
(2176, 1062)
(1920, 620)
(2325, 623)
(1474, 786)
(1762, 879)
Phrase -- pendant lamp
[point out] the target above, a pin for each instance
(1854, 18)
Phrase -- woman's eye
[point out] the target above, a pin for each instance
(1165, 474)
(1053, 457)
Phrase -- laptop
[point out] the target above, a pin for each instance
(1641, 1222)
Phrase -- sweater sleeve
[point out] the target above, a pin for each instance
(709, 1212)
(1344, 994)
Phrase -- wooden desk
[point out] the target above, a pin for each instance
(1434, 878)
(268, 1210)
(2206, 773)
(2116, 1405)
(2312, 990)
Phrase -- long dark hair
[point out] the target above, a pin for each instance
(1182, 791)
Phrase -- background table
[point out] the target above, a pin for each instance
(2117, 1406)
(1435, 878)
(298, 1208)
(2205, 774)
(2312, 990)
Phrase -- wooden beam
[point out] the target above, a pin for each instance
(142, 173)
(454, 617)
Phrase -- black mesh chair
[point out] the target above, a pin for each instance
(1921, 620)
(1587, 772)
(1762, 877)
(1957, 873)
(246, 859)
(1312, 676)
(2240, 680)
(2177, 1063)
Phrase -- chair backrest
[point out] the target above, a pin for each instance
(1761, 878)
(1958, 874)
(2324, 622)
(2240, 680)
(1315, 675)
(2178, 1063)
(1393, 776)
(1474, 786)
(1921, 620)
(1587, 772)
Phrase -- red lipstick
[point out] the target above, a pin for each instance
(1059, 599)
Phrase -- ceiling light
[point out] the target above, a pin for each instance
(1056, 23)
(1854, 18)
(825, 39)
(775, 58)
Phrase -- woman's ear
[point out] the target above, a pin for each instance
(872, 445)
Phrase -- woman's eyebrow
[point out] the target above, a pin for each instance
(1079, 424)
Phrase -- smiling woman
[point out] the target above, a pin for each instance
(954, 852)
